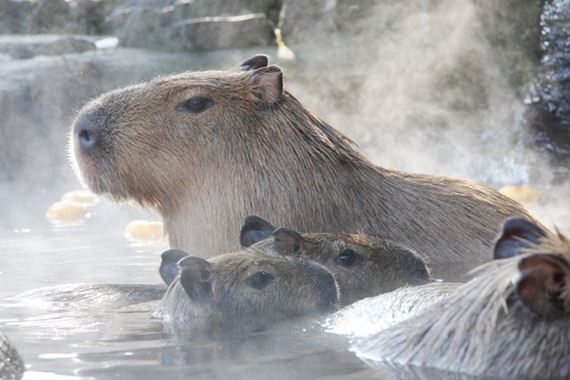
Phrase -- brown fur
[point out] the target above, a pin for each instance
(299, 288)
(485, 327)
(205, 172)
(381, 266)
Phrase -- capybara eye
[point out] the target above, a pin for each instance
(195, 104)
(259, 280)
(347, 258)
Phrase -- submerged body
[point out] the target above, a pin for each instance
(93, 296)
(363, 266)
(245, 291)
(511, 321)
(206, 149)
(11, 364)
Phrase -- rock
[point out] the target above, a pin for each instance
(49, 16)
(87, 16)
(301, 21)
(170, 28)
(13, 14)
(211, 8)
(224, 32)
(140, 26)
(549, 101)
(27, 46)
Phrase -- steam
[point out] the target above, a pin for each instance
(418, 85)
(433, 96)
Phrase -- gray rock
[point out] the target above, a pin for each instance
(140, 26)
(13, 14)
(549, 101)
(27, 46)
(87, 16)
(171, 28)
(49, 16)
(11, 364)
(224, 32)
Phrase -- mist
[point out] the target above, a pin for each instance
(421, 86)
(443, 87)
(434, 94)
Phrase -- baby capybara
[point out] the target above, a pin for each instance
(363, 266)
(239, 290)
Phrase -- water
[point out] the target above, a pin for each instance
(100, 339)
(103, 338)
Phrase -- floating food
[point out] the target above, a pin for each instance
(283, 51)
(66, 212)
(81, 196)
(144, 230)
(521, 194)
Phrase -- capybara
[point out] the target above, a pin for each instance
(206, 149)
(371, 315)
(238, 289)
(11, 364)
(363, 266)
(511, 321)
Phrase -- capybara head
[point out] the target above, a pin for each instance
(543, 283)
(133, 143)
(511, 321)
(363, 266)
(236, 288)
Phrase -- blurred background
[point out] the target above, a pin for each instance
(478, 89)
(470, 88)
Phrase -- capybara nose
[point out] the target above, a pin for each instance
(87, 134)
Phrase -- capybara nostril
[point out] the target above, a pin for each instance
(86, 134)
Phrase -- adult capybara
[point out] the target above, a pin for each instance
(206, 149)
(363, 266)
(242, 289)
(11, 364)
(511, 321)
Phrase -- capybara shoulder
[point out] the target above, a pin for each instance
(363, 266)
(209, 148)
(239, 288)
(511, 321)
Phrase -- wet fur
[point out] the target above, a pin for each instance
(385, 265)
(300, 288)
(481, 329)
(205, 173)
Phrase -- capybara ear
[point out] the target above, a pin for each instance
(255, 62)
(287, 242)
(254, 229)
(517, 234)
(168, 268)
(544, 284)
(196, 277)
(268, 84)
